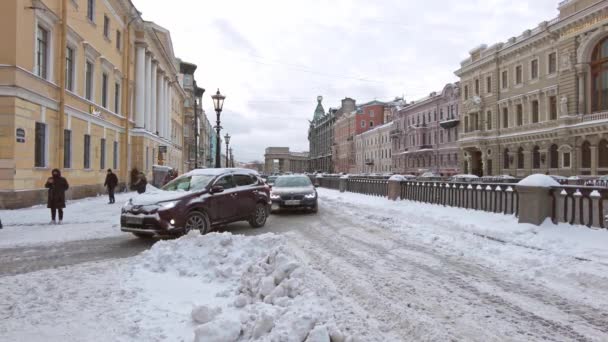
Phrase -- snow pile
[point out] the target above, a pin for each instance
(538, 180)
(255, 289)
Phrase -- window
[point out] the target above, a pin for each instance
(42, 52)
(40, 145)
(599, 76)
(89, 81)
(104, 90)
(520, 158)
(505, 117)
(118, 39)
(226, 182)
(87, 151)
(553, 108)
(371, 124)
(362, 124)
(488, 84)
(116, 97)
(552, 62)
(67, 149)
(520, 115)
(603, 154)
(536, 158)
(534, 69)
(586, 155)
(553, 155)
(115, 156)
(106, 26)
(505, 79)
(518, 74)
(566, 160)
(69, 69)
(506, 159)
(466, 92)
(535, 118)
(102, 154)
(91, 10)
(477, 87)
(489, 120)
(371, 113)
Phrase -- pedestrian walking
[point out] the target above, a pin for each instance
(141, 183)
(57, 186)
(111, 183)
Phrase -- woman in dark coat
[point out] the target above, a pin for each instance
(57, 186)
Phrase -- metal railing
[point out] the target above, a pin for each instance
(585, 205)
(368, 186)
(330, 182)
(490, 197)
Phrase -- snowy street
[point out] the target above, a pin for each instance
(371, 269)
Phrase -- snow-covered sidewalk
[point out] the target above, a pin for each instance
(84, 219)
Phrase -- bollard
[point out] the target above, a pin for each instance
(534, 204)
(343, 183)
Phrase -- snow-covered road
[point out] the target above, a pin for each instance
(387, 271)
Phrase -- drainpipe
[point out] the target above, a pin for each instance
(62, 81)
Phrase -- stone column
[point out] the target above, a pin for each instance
(169, 110)
(166, 107)
(154, 93)
(534, 206)
(159, 101)
(140, 85)
(162, 110)
(594, 159)
(148, 90)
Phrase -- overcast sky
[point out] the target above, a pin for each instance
(271, 58)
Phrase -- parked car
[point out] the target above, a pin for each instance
(294, 192)
(464, 178)
(271, 180)
(499, 179)
(198, 200)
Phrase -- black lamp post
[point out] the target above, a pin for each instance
(231, 157)
(227, 138)
(218, 104)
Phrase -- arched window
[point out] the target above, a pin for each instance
(599, 76)
(553, 156)
(536, 158)
(505, 159)
(520, 158)
(603, 153)
(586, 155)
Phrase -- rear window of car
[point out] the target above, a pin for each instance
(293, 182)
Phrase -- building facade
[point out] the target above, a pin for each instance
(374, 150)
(425, 134)
(538, 103)
(321, 138)
(84, 86)
(344, 132)
(282, 160)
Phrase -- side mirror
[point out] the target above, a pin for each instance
(216, 189)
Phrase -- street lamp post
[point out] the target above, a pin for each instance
(227, 138)
(231, 157)
(218, 104)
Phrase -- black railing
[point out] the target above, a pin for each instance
(330, 182)
(490, 197)
(368, 186)
(583, 205)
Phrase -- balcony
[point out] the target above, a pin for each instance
(396, 132)
(450, 123)
(369, 162)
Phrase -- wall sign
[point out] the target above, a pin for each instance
(20, 133)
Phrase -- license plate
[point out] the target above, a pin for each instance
(292, 202)
(134, 220)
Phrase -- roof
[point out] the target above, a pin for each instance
(217, 172)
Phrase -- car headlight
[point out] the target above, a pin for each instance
(312, 195)
(275, 196)
(168, 205)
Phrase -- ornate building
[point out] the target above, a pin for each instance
(425, 134)
(320, 138)
(539, 102)
(374, 150)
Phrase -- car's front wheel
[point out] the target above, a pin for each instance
(259, 217)
(197, 220)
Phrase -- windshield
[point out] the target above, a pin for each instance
(189, 183)
(292, 182)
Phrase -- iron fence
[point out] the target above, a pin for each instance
(330, 182)
(368, 186)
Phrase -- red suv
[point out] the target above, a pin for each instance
(198, 200)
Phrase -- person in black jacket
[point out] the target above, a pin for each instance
(57, 186)
(140, 183)
(111, 183)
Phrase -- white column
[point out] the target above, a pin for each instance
(148, 89)
(159, 103)
(140, 86)
(153, 98)
(169, 113)
(166, 107)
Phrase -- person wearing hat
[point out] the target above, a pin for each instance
(57, 186)
(111, 183)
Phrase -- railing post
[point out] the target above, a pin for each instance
(394, 187)
(533, 202)
(343, 183)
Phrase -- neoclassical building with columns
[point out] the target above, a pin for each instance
(85, 86)
(538, 103)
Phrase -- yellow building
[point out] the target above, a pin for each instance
(85, 85)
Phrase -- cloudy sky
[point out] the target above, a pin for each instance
(271, 58)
